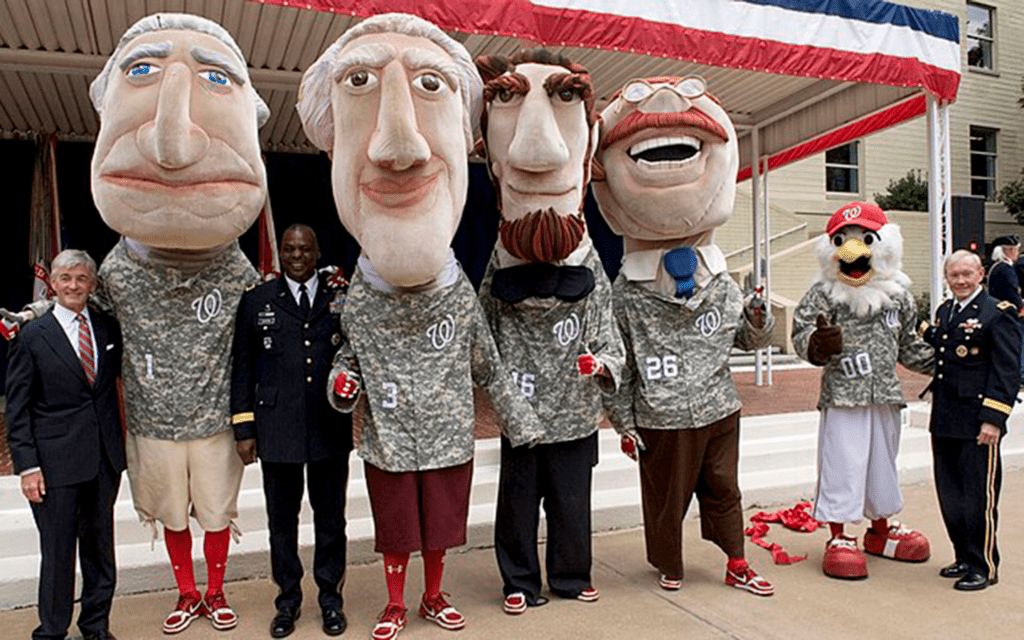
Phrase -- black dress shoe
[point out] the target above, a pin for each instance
(284, 622)
(334, 621)
(97, 635)
(971, 582)
(955, 570)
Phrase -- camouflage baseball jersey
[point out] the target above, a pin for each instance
(540, 340)
(418, 356)
(677, 354)
(177, 340)
(865, 372)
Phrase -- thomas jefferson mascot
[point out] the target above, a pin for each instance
(665, 178)
(857, 321)
(392, 101)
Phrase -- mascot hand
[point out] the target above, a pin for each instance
(346, 386)
(755, 308)
(632, 444)
(589, 365)
(10, 323)
(825, 342)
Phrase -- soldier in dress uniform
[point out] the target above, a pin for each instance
(977, 344)
(286, 334)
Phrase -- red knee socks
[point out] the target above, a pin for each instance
(179, 549)
(395, 565)
(737, 565)
(836, 528)
(215, 549)
(433, 569)
(881, 526)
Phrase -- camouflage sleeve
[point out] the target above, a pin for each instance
(619, 405)
(914, 353)
(751, 338)
(805, 318)
(38, 308)
(605, 341)
(516, 417)
(344, 362)
(102, 298)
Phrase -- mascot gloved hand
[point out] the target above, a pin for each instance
(825, 342)
(632, 444)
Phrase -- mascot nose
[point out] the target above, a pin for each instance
(172, 139)
(853, 249)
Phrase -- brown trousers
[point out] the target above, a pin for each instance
(677, 464)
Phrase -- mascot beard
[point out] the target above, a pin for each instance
(542, 236)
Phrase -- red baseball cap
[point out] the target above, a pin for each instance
(862, 214)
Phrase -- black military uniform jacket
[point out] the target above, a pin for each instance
(977, 375)
(280, 363)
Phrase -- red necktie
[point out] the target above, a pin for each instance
(85, 353)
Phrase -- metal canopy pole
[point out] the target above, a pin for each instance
(755, 186)
(767, 293)
(939, 197)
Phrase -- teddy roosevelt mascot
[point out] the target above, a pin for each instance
(857, 321)
(177, 172)
(392, 102)
(664, 178)
(548, 302)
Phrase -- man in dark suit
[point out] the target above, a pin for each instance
(66, 442)
(286, 334)
(977, 346)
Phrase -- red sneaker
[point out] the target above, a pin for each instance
(515, 604)
(438, 611)
(750, 581)
(899, 543)
(389, 623)
(590, 594)
(221, 615)
(669, 583)
(190, 606)
(843, 559)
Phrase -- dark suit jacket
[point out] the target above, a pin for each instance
(1003, 284)
(977, 360)
(55, 420)
(280, 363)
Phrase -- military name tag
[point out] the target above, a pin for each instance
(265, 318)
(961, 351)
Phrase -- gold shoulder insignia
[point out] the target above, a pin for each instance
(1006, 304)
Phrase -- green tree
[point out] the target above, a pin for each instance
(909, 193)
(1012, 197)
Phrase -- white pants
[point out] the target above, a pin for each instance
(857, 477)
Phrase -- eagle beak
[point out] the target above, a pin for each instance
(854, 262)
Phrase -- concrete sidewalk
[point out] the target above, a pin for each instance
(898, 600)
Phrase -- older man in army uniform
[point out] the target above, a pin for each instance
(285, 336)
(975, 385)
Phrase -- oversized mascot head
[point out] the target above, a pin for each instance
(177, 160)
(540, 130)
(861, 257)
(393, 101)
(665, 170)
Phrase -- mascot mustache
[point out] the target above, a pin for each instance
(542, 236)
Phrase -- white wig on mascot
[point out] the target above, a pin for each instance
(856, 322)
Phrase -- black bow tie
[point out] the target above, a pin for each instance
(542, 280)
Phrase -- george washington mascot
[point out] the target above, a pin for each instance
(549, 305)
(856, 322)
(393, 102)
(665, 179)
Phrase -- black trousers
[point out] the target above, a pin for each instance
(559, 475)
(79, 515)
(327, 482)
(968, 478)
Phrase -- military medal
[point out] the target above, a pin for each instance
(336, 339)
(268, 342)
(961, 351)
(975, 351)
(336, 302)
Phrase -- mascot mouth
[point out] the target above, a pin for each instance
(856, 272)
(671, 152)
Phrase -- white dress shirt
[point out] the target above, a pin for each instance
(68, 321)
(311, 286)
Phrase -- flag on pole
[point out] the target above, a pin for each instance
(44, 229)
(269, 260)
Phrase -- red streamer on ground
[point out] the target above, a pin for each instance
(797, 519)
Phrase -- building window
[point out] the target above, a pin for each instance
(980, 37)
(983, 162)
(842, 169)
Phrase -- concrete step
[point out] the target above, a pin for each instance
(777, 466)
